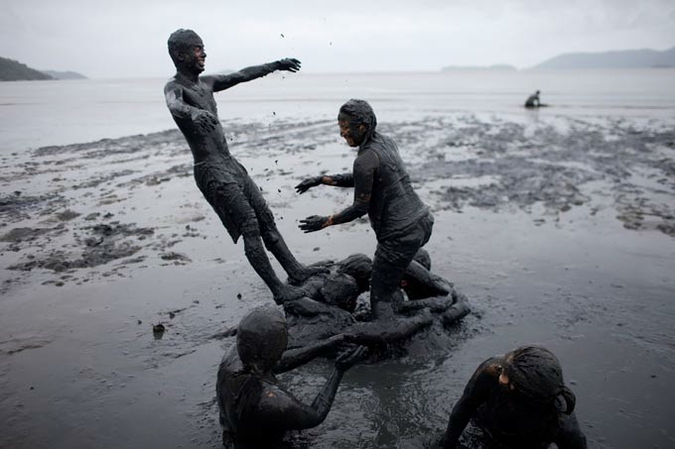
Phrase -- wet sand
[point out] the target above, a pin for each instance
(561, 232)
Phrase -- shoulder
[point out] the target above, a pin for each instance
(367, 158)
(488, 370)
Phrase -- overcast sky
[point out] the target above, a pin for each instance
(124, 38)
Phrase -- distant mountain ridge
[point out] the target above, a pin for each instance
(11, 70)
(621, 59)
(472, 67)
(67, 75)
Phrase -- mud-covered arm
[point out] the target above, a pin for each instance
(569, 434)
(296, 357)
(376, 333)
(475, 393)
(280, 410)
(341, 180)
(173, 94)
(222, 82)
(365, 167)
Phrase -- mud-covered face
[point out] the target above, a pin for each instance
(352, 133)
(194, 60)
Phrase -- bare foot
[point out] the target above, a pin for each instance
(289, 293)
(300, 276)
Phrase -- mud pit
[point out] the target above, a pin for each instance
(559, 231)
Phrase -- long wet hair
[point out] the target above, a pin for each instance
(536, 373)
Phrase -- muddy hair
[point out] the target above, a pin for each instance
(536, 373)
(359, 112)
(182, 41)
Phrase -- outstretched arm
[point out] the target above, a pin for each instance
(475, 393)
(296, 357)
(341, 180)
(222, 82)
(379, 333)
(282, 411)
(365, 167)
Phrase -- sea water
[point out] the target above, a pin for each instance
(41, 113)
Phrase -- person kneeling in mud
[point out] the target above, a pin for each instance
(255, 411)
(516, 401)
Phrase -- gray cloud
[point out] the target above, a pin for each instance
(128, 38)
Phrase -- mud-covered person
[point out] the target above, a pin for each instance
(518, 401)
(223, 181)
(255, 410)
(533, 101)
(382, 189)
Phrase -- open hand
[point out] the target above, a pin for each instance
(348, 358)
(307, 184)
(205, 121)
(313, 223)
(289, 64)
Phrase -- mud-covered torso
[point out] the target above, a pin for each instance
(207, 146)
(394, 205)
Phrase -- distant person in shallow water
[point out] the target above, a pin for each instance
(382, 189)
(255, 411)
(518, 401)
(223, 181)
(533, 101)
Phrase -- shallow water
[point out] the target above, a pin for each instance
(557, 227)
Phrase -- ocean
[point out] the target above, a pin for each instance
(41, 113)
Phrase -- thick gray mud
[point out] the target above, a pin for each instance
(560, 231)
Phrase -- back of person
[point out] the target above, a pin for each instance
(394, 204)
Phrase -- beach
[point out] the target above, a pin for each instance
(558, 225)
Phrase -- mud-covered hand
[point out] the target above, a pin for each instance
(205, 121)
(308, 184)
(289, 64)
(314, 223)
(348, 358)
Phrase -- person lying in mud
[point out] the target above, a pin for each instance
(255, 411)
(382, 189)
(331, 305)
(533, 101)
(223, 181)
(517, 401)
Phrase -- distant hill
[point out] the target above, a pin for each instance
(11, 70)
(64, 75)
(622, 59)
(475, 67)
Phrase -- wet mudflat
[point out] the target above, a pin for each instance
(561, 232)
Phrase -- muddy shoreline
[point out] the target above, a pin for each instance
(560, 231)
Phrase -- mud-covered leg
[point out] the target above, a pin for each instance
(274, 242)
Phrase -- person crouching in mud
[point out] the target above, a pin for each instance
(255, 411)
(518, 401)
(382, 189)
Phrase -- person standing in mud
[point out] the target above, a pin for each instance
(382, 189)
(517, 401)
(223, 181)
(255, 411)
